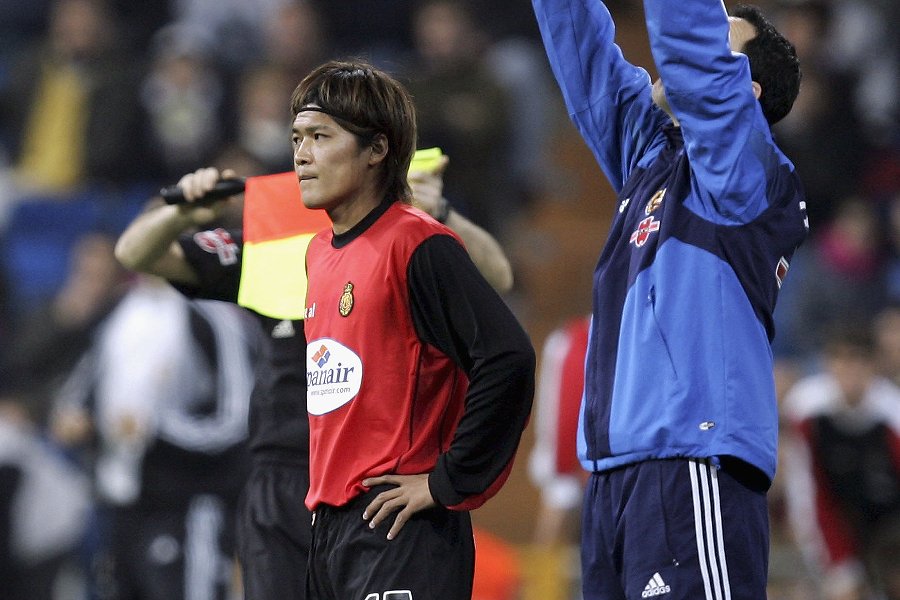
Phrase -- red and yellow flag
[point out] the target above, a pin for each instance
(277, 231)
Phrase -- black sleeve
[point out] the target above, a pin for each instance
(458, 312)
(215, 255)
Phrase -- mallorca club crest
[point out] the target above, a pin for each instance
(346, 303)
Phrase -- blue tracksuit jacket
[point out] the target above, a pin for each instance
(679, 361)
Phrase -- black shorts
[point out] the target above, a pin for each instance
(273, 532)
(432, 558)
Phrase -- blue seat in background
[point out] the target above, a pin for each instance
(37, 242)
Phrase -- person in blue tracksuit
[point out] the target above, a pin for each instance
(678, 425)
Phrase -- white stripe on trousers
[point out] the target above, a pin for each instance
(204, 565)
(708, 526)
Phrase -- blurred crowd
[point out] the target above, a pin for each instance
(837, 343)
(102, 102)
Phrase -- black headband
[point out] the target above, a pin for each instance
(328, 112)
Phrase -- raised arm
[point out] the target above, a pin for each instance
(607, 97)
(710, 91)
(149, 245)
(486, 252)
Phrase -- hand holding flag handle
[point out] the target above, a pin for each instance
(173, 194)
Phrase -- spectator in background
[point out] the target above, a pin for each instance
(235, 25)
(5, 313)
(294, 38)
(887, 340)
(891, 221)
(184, 97)
(463, 109)
(293, 42)
(381, 32)
(49, 340)
(261, 115)
(70, 108)
(519, 66)
(843, 466)
(886, 544)
(823, 134)
(885, 550)
(21, 22)
(836, 277)
(893, 16)
(553, 464)
(44, 501)
(863, 40)
(509, 20)
(166, 389)
(141, 20)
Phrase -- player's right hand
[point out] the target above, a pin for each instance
(195, 185)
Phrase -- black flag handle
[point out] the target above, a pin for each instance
(225, 187)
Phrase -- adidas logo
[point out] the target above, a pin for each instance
(284, 329)
(655, 587)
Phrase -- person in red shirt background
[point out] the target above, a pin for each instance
(553, 464)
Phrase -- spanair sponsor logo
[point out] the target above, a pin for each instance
(333, 375)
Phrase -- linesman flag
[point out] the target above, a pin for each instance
(277, 231)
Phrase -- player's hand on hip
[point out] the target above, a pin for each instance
(410, 495)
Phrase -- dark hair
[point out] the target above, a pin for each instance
(367, 102)
(773, 64)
